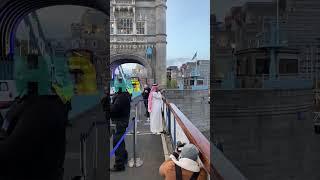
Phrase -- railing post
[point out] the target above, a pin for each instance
(174, 131)
(96, 150)
(135, 161)
(140, 112)
(136, 116)
(81, 155)
(134, 142)
(169, 120)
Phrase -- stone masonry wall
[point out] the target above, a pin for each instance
(267, 134)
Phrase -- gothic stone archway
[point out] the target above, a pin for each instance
(118, 59)
(136, 27)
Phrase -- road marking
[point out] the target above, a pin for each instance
(165, 148)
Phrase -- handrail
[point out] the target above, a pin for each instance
(195, 137)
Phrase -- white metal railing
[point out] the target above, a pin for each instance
(180, 128)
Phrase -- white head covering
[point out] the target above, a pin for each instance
(188, 158)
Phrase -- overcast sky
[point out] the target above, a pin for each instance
(188, 29)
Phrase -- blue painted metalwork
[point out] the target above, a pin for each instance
(149, 51)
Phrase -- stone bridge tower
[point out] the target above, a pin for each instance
(138, 35)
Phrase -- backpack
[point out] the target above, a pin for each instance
(179, 174)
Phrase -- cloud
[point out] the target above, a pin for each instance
(177, 61)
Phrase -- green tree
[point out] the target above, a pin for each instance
(172, 84)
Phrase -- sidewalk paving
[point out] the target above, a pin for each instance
(149, 148)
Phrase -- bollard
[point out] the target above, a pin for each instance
(95, 165)
(134, 141)
(137, 116)
(96, 147)
(81, 154)
(83, 162)
(135, 162)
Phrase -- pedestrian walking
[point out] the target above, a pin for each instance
(145, 95)
(120, 114)
(106, 100)
(154, 107)
(68, 106)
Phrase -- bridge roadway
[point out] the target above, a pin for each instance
(149, 147)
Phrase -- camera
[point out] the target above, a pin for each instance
(179, 147)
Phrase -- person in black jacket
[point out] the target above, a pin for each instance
(145, 95)
(120, 114)
(68, 106)
(35, 146)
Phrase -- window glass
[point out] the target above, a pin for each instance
(125, 26)
(140, 28)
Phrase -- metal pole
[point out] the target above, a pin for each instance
(134, 143)
(136, 117)
(174, 131)
(96, 149)
(85, 157)
(169, 120)
(81, 155)
(278, 22)
(140, 112)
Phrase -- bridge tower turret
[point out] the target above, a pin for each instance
(161, 42)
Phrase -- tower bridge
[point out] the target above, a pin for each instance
(138, 35)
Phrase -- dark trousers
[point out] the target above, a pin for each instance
(146, 106)
(121, 154)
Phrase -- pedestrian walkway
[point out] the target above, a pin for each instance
(149, 148)
(81, 124)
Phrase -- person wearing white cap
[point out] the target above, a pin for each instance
(185, 167)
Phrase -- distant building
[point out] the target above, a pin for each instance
(244, 26)
(140, 72)
(203, 68)
(90, 34)
(195, 75)
(138, 34)
(21, 48)
(173, 72)
(266, 90)
(253, 66)
(59, 47)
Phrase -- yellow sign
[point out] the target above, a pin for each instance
(83, 71)
(136, 84)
